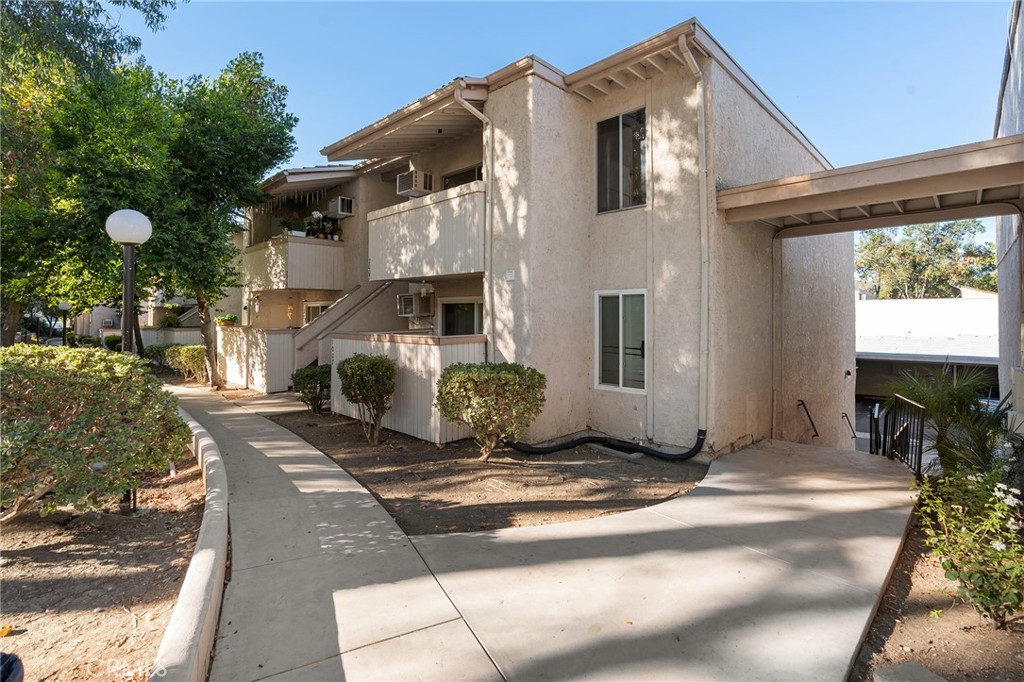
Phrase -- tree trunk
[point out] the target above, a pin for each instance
(208, 330)
(137, 333)
(12, 318)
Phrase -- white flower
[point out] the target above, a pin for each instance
(317, 215)
(1000, 486)
(1011, 501)
(1013, 525)
(1014, 491)
(998, 545)
(974, 477)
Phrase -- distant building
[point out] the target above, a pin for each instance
(900, 335)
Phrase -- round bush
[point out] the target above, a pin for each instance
(497, 401)
(82, 424)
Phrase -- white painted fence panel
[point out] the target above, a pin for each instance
(439, 234)
(186, 336)
(260, 359)
(420, 360)
(287, 262)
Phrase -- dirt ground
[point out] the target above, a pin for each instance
(448, 490)
(919, 621)
(89, 595)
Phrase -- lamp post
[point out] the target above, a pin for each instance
(38, 314)
(64, 308)
(129, 229)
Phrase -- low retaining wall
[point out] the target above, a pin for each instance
(188, 641)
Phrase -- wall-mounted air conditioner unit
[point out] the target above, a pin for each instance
(340, 207)
(415, 305)
(107, 323)
(415, 184)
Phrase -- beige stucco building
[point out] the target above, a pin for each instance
(570, 222)
(1010, 122)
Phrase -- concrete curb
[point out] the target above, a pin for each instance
(188, 641)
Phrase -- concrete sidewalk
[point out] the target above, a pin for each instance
(769, 570)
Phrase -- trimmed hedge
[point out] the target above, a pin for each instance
(314, 386)
(368, 381)
(189, 361)
(82, 424)
(497, 401)
(170, 320)
(89, 341)
(112, 342)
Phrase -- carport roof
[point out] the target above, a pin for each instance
(969, 181)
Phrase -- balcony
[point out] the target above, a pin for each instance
(439, 234)
(290, 262)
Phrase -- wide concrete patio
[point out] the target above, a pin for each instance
(769, 570)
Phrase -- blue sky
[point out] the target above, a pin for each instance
(863, 80)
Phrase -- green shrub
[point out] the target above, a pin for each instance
(314, 386)
(496, 401)
(963, 433)
(89, 341)
(157, 353)
(229, 317)
(368, 381)
(189, 361)
(973, 524)
(170, 320)
(82, 424)
(112, 342)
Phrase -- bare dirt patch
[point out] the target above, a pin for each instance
(920, 621)
(90, 595)
(448, 490)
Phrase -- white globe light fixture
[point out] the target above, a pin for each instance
(128, 228)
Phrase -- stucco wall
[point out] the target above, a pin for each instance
(1008, 228)
(543, 204)
(455, 156)
(782, 322)
(470, 287)
(559, 252)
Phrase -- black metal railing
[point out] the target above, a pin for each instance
(897, 432)
(814, 428)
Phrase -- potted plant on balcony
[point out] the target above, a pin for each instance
(314, 225)
(228, 320)
(330, 228)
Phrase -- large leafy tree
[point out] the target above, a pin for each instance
(45, 49)
(230, 131)
(926, 261)
(188, 154)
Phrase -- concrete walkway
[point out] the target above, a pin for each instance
(769, 570)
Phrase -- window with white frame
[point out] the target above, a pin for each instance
(311, 311)
(622, 161)
(620, 339)
(461, 316)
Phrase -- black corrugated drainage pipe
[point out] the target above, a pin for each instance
(614, 444)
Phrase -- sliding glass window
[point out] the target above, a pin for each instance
(622, 161)
(620, 339)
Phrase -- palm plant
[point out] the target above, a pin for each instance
(965, 433)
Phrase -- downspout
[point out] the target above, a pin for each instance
(705, 260)
(488, 215)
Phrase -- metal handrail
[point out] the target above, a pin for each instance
(848, 423)
(814, 428)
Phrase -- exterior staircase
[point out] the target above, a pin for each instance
(307, 339)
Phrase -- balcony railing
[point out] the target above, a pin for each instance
(291, 262)
(439, 234)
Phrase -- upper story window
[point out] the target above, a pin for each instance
(622, 161)
(462, 177)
